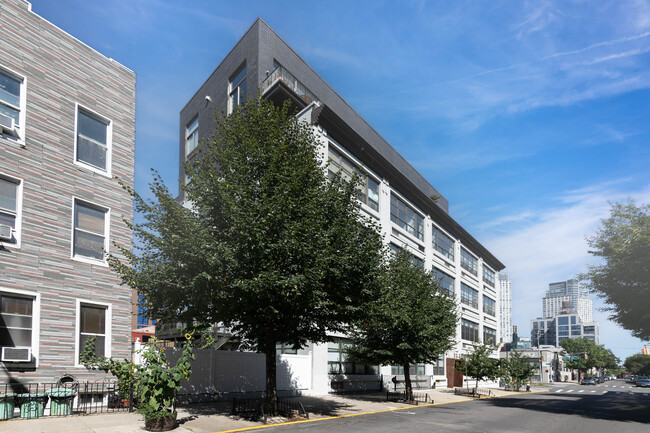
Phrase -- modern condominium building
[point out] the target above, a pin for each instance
(67, 128)
(571, 291)
(394, 194)
(566, 324)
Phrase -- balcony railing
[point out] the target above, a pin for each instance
(281, 74)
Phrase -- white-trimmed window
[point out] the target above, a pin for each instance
(468, 296)
(10, 210)
(469, 330)
(489, 306)
(368, 189)
(442, 243)
(93, 141)
(406, 217)
(237, 89)
(488, 276)
(192, 135)
(93, 321)
(468, 262)
(12, 105)
(19, 319)
(90, 233)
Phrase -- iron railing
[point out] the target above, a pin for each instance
(281, 74)
(63, 398)
(474, 392)
(400, 397)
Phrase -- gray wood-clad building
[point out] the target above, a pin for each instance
(67, 129)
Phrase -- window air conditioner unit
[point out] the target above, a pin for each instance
(7, 124)
(5, 232)
(16, 354)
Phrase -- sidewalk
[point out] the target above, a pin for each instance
(215, 417)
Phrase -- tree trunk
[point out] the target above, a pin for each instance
(408, 389)
(271, 399)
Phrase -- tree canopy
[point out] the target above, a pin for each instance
(407, 322)
(268, 245)
(597, 356)
(623, 279)
(637, 364)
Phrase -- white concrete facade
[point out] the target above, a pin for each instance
(505, 308)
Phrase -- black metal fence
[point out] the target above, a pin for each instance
(253, 408)
(400, 397)
(474, 392)
(63, 398)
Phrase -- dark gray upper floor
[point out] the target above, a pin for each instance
(260, 51)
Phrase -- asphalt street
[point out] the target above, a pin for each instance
(614, 406)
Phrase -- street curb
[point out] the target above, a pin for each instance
(336, 417)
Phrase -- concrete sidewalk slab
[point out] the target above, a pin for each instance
(216, 417)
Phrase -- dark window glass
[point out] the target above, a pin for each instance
(405, 217)
(468, 296)
(469, 330)
(489, 306)
(15, 321)
(92, 323)
(91, 140)
(443, 243)
(468, 262)
(89, 231)
(445, 282)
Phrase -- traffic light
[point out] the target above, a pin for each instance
(644, 351)
(586, 356)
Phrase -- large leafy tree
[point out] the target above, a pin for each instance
(268, 245)
(408, 321)
(623, 279)
(589, 354)
(637, 364)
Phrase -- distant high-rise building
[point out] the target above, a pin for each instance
(569, 290)
(567, 324)
(505, 308)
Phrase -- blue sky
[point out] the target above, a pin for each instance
(528, 116)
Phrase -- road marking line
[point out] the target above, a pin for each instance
(605, 392)
(570, 390)
(595, 391)
(582, 390)
(614, 386)
(559, 390)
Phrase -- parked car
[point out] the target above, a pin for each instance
(645, 383)
(638, 378)
(589, 380)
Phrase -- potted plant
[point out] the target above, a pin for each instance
(158, 383)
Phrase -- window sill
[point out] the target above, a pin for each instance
(449, 262)
(13, 140)
(105, 173)
(90, 261)
(411, 237)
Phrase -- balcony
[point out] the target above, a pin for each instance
(281, 85)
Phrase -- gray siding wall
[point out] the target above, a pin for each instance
(61, 71)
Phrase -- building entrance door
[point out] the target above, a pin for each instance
(454, 378)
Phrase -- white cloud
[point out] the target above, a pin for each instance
(547, 245)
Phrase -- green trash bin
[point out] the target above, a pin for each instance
(7, 404)
(31, 404)
(61, 401)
